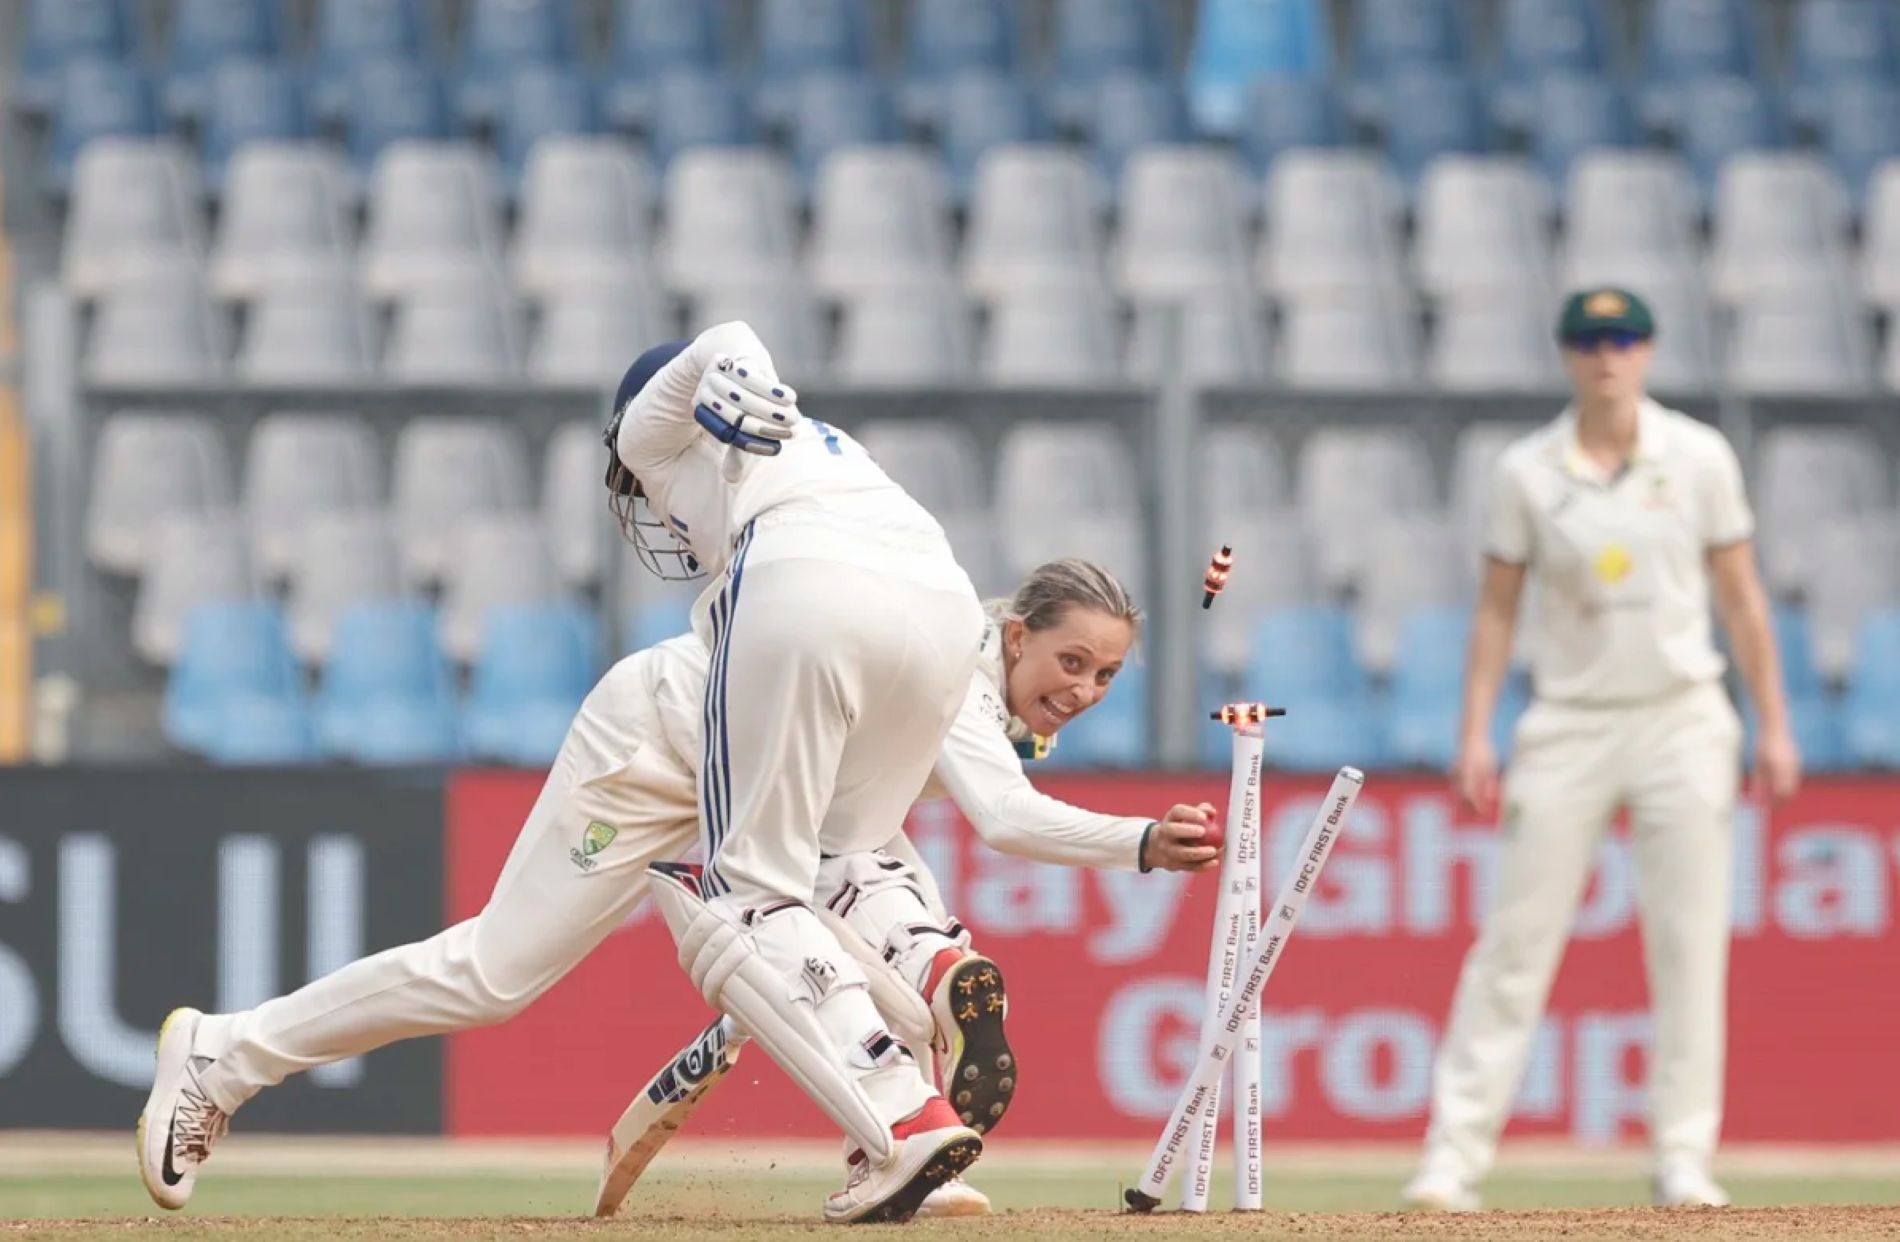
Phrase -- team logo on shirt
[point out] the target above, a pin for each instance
(1612, 564)
(597, 838)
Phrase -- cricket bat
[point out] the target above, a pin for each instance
(662, 1107)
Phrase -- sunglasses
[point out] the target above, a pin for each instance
(1618, 339)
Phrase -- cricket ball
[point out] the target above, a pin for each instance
(1215, 835)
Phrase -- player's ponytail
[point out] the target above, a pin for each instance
(1050, 590)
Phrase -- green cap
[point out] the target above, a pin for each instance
(1604, 310)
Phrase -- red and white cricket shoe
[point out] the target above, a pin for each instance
(929, 1148)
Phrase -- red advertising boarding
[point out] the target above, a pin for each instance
(1105, 978)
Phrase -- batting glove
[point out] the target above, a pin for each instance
(739, 405)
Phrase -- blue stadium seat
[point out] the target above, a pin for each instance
(1308, 649)
(1837, 41)
(1396, 36)
(1859, 120)
(652, 38)
(502, 36)
(833, 110)
(1113, 733)
(695, 109)
(1431, 113)
(1871, 710)
(1287, 112)
(1818, 724)
(542, 100)
(1538, 37)
(1794, 640)
(250, 101)
(802, 37)
(1131, 111)
(230, 651)
(1235, 41)
(951, 39)
(1323, 731)
(658, 620)
(1686, 40)
(264, 729)
(1422, 708)
(534, 668)
(1214, 748)
(392, 100)
(386, 696)
(1095, 38)
(206, 33)
(1572, 113)
(351, 31)
(982, 110)
(97, 99)
(59, 32)
(1723, 116)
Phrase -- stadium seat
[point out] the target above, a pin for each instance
(448, 470)
(1183, 217)
(1280, 575)
(880, 217)
(1051, 336)
(982, 111)
(349, 32)
(1236, 41)
(144, 468)
(1358, 343)
(1819, 726)
(1687, 41)
(1114, 732)
(234, 669)
(587, 333)
(502, 37)
(586, 216)
(1871, 709)
(541, 101)
(783, 314)
(1880, 238)
(1805, 476)
(203, 35)
(1288, 112)
(1835, 42)
(315, 333)
(1474, 465)
(1414, 561)
(574, 515)
(1484, 229)
(286, 221)
(386, 695)
(692, 109)
(96, 99)
(836, 112)
(1546, 39)
(1856, 571)
(917, 334)
(248, 101)
(1129, 111)
(1035, 219)
(1429, 113)
(947, 39)
(1794, 643)
(1304, 651)
(536, 666)
(1859, 121)
(392, 101)
(732, 214)
(197, 558)
(1781, 221)
(457, 332)
(133, 219)
(300, 465)
(803, 38)
(1806, 343)
(1222, 340)
(1093, 39)
(496, 559)
(1423, 707)
(1721, 118)
(1333, 227)
(652, 38)
(434, 218)
(1630, 211)
(1494, 343)
(343, 558)
(1571, 114)
(159, 332)
(59, 32)
(1395, 37)
(657, 610)
(1068, 491)
(1347, 477)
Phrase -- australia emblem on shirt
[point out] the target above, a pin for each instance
(1612, 564)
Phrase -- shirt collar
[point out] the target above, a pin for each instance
(1645, 451)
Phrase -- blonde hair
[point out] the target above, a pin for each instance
(1050, 590)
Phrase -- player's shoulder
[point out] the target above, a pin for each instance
(1535, 448)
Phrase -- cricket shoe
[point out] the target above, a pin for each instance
(968, 1000)
(928, 1149)
(955, 1197)
(1435, 1190)
(180, 1123)
(1688, 1185)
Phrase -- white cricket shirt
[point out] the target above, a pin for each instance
(1616, 565)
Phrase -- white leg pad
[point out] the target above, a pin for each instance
(722, 959)
(857, 894)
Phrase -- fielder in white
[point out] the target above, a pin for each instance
(622, 794)
(1625, 519)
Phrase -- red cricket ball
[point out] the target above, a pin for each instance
(1215, 835)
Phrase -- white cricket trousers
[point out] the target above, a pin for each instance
(553, 903)
(1675, 765)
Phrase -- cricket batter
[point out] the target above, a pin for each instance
(1625, 519)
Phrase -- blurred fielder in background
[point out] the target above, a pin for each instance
(1623, 517)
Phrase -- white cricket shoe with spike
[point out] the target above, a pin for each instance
(1688, 1185)
(180, 1123)
(955, 1197)
(929, 1149)
(1437, 1190)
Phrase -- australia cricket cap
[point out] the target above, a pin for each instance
(1588, 312)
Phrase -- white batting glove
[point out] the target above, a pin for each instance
(741, 405)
